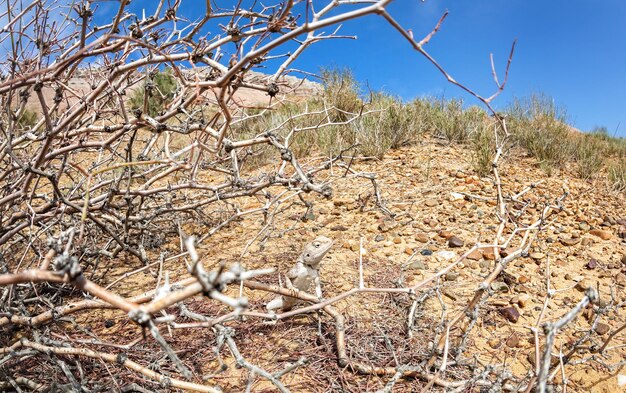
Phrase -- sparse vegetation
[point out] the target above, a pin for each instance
(27, 119)
(617, 174)
(160, 88)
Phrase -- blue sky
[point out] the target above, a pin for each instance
(571, 50)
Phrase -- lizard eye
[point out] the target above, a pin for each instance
(308, 255)
(316, 245)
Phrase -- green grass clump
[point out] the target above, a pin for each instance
(483, 151)
(454, 123)
(159, 88)
(540, 127)
(27, 119)
(617, 174)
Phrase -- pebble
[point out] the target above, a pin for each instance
(426, 252)
(601, 233)
(408, 251)
(475, 255)
(484, 264)
(537, 256)
(397, 240)
(379, 238)
(583, 284)
(339, 228)
(513, 341)
(584, 226)
(499, 286)
(592, 264)
(422, 237)
(620, 278)
(521, 300)
(445, 234)
(431, 202)
(445, 256)
(418, 265)
(587, 241)
(602, 328)
(489, 255)
(455, 242)
(508, 251)
(452, 276)
(570, 242)
(510, 313)
(494, 343)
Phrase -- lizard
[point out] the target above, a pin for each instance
(304, 273)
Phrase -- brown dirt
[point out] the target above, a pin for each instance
(377, 332)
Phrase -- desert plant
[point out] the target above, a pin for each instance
(483, 150)
(454, 123)
(617, 174)
(540, 127)
(159, 90)
(589, 155)
(27, 119)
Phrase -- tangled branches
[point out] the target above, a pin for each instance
(120, 129)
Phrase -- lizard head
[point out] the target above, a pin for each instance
(314, 252)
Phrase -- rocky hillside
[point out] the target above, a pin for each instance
(435, 208)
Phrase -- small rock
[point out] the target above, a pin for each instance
(512, 341)
(601, 233)
(510, 313)
(431, 202)
(426, 252)
(537, 256)
(387, 224)
(508, 251)
(522, 300)
(422, 237)
(342, 201)
(484, 264)
(602, 328)
(592, 264)
(584, 226)
(455, 242)
(379, 238)
(109, 323)
(570, 241)
(620, 279)
(338, 228)
(445, 234)
(475, 255)
(489, 254)
(499, 286)
(587, 241)
(445, 256)
(408, 251)
(417, 265)
(397, 240)
(346, 245)
(455, 196)
(583, 284)
(523, 279)
(452, 276)
(494, 343)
